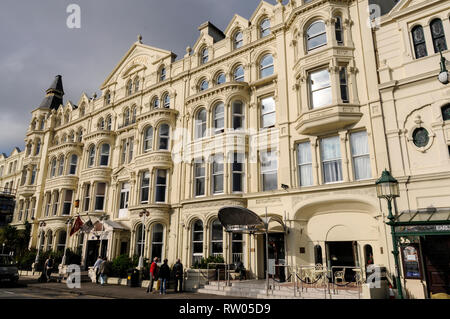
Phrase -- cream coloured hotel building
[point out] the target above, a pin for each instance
(294, 112)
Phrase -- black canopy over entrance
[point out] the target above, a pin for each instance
(240, 220)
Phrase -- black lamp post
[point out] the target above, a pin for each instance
(387, 188)
(143, 215)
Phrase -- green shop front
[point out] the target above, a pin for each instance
(424, 243)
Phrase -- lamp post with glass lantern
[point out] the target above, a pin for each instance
(144, 214)
(443, 75)
(36, 261)
(102, 219)
(387, 188)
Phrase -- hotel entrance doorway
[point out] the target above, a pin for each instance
(342, 254)
(93, 250)
(276, 255)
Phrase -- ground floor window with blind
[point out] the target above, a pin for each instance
(330, 151)
(304, 161)
(360, 155)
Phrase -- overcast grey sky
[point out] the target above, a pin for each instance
(36, 45)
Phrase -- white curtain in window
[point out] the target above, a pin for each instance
(360, 152)
(331, 159)
(305, 164)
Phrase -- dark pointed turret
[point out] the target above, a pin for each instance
(55, 93)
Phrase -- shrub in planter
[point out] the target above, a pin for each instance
(203, 264)
(25, 262)
(120, 266)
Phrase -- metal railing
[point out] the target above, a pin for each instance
(226, 273)
(237, 256)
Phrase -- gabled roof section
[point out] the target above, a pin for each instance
(83, 99)
(3, 156)
(138, 55)
(209, 34)
(54, 95)
(262, 8)
(237, 21)
(15, 151)
(406, 6)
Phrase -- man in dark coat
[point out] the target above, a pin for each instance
(178, 272)
(164, 275)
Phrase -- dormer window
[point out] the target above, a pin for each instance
(162, 74)
(238, 40)
(108, 98)
(136, 85)
(204, 56)
(129, 87)
(264, 27)
(266, 66)
(338, 30)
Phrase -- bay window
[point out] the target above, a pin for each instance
(320, 88)
(238, 172)
(217, 174)
(148, 139)
(145, 187)
(124, 199)
(161, 186)
(164, 131)
(67, 202)
(100, 196)
(199, 176)
(219, 118)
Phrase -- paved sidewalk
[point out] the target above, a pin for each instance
(112, 291)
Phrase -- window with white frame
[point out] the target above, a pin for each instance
(203, 85)
(100, 193)
(338, 29)
(330, 150)
(129, 87)
(61, 166)
(161, 186)
(343, 84)
(155, 103)
(266, 66)
(200, 124)
(87, 197)
(217, 172)
(91, 159)
(67, 205)
(268, 113)
(33, 174)
(304, 160)
(162, 74)
(316, 35)
(269, 169)
(61, 244)
(124, 199)
(104, 154)
(48, 204)
(360, 154)
(438, 35)
(145, 187)
(55, 203)
(140, 239)
(221, 78)
(199, 176)
(197, 242)
(238, 40)
(237, 168)
(216, 238)
(219, 118)
(239, 74)
(238, 115)
(109, 122)
(204, 56)
(73, 164)
(164, 135)
(148, 139)
(166, 101)
(157, 241)
(320, 88)
(264, 28)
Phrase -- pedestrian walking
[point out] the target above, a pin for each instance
(178, 272)
(48, 267)
(164, 275)
(153, 274)
(96, 268)
(103, 271)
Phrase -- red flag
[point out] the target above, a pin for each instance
(76, 226)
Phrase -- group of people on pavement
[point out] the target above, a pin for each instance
(163, 274)
(100, 270)
(47, 271)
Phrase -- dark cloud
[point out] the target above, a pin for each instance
(36, 45)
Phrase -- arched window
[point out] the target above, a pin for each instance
(73, 164)
(55, 202)
(140, 239)
(109, 123)
(104, 155)
(49, 240)
(108, 98)
(61, 241)
(136, 84)
(91, 159)
(166, 101)
(221, 78)
(316, 35)
(318, 254)
(199, 176)
(239, 74)
(29, 146)
(162, 74)
(64, 138)
(203, 85)
(126, 117)
(200, 124)
(155, 103)
(266, 66)
(338, 30)
(219, 118)
(164, 132)
(204, 56)
(437, 33)
(238, 40)
(82, 110)
(61, 166)
(157, 241)
(101, 124)
(238, 115)
(71, 137)
(145, 187)
(80, 135)
(129, 87)
(216, 238)
(66, 118)
(161, 186)
(420, 47)
(38, 148)
(368, 255)
(148, 139)
(264, 28)
(217, 171)
(42, 124)
(446, 112)
(53, 168)
(133, 115)
(197, 242)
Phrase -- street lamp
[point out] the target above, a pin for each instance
(443, 75)
(40, 229)
(144, 214)
(102, 219)
(387, 188)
